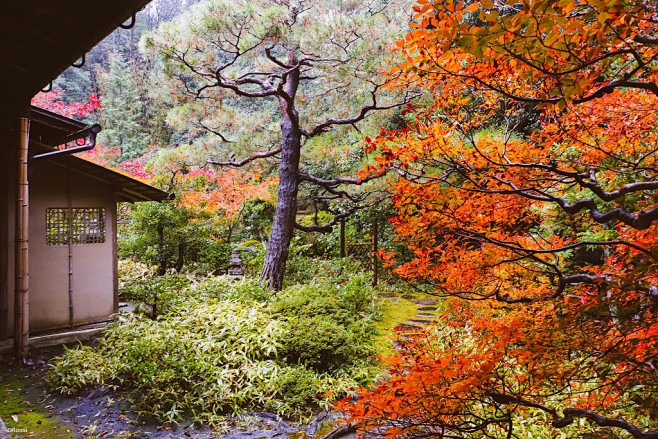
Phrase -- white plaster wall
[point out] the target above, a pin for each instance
(92, 281)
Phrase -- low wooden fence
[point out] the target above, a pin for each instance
(363, 249)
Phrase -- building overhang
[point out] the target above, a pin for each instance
(39, 39)
(46, 127)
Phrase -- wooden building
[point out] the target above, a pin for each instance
(57, 212)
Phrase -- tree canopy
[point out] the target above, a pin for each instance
(267, 80)
(527, 193)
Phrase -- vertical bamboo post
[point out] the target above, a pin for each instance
(343, 252)
(115, 263)
(21, 304)
(374, 250)
(69, 240)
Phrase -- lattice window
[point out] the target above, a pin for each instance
(80, 225)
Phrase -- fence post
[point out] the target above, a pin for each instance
(343, 253)
(374, 250)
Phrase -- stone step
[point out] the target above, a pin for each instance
(424, 314)
(419, 321)
(426, 302)
(408, 326)
(387, 295)
(427, 308)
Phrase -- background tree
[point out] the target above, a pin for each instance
(195, 229)
(527, 194)
(268, 79)
(123, 107)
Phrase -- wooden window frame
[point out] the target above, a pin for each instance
(76, 226)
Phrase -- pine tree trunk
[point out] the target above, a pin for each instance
(283, 227)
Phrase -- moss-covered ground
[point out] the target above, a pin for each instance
(402, 309)
(26, 419)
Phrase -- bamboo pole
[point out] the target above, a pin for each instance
(21, 304)
(69, 240)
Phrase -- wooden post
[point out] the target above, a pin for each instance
(114, 211)
(21, 304)
(69, 240)
(6, 179)
(374, 250)
(343, 251)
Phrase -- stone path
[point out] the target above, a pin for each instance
(426, 309)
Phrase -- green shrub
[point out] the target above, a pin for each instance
(357, 295)
(211, 358)
(213, 257)
(245, 290)
(301, 269)
(327, 327)
(78, 369)
(298, 390)
(160, 293)
(224, 347)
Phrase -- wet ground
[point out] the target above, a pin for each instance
(30, 410)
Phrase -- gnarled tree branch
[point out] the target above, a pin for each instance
(251, 158)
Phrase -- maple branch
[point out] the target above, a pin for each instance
(251, 158)
(600, 92)
(613, 195)
(582, 66)
(514, 246)
(639, 221)
(646, 40)
(570, 415)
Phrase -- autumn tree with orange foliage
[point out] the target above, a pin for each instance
(528, 195)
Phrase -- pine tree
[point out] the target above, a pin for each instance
(122, 112)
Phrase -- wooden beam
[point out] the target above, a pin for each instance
(135, 194)
(65, 337)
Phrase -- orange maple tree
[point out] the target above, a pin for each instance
(527, 193)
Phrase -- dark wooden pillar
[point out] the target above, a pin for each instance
(8, 140)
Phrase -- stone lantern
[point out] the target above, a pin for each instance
(235, 270)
